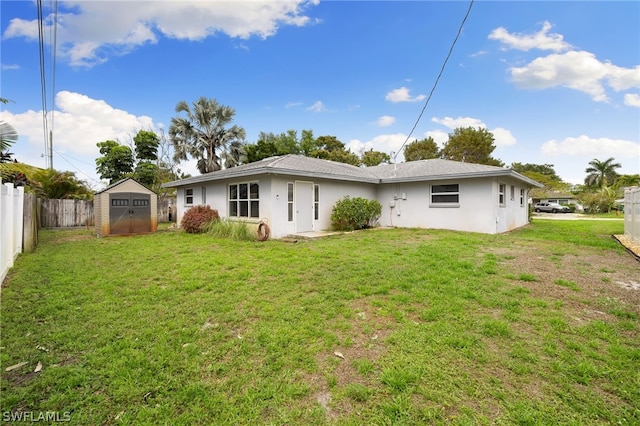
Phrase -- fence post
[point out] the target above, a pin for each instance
(18, 220)
(7, 228)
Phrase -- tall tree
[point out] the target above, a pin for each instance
(146, 145)
(203, 134)
(601, 173)
(8, 136)
(421, 150)
(330, 148)
(543, 169)
(116, 162)
(374, 158)
(471, 145)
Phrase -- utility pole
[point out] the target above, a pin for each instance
(51, 149)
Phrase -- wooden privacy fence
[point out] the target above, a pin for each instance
(65, 213)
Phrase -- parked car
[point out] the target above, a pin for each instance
(551, 208)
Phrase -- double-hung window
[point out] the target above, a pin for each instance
(521, 197)
(188, 197)
(445, 195)
(244, 200)
(513, 193)
(502, 188)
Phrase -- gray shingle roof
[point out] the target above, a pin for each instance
(298, 165)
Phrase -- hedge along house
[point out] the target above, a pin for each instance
(294, 194)
(125, 208)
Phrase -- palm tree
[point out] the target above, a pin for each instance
(601, 173)
(8, 136)
(202, 134)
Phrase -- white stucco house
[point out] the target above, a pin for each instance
(294, 194)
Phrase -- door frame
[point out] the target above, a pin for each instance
(303, 206)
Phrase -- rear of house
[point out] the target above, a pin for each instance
(295, 194)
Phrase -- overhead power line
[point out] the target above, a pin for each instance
(435, 84)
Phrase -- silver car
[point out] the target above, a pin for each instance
(550, 208)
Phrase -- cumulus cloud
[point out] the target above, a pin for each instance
(402, 95)
(388, 143)
(502, 137)
(541, 40)
(89, 32)
(589, 147)
(385, 121)
(580, 70)
(318, 106)
(632, 99)
(80, 123)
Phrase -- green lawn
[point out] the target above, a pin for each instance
(538, 326)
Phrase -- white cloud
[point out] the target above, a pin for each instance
(402, 95)
(80, 123)
(588, 147)
(439, 136)
(385, 121)
(502, 137)
(8, 67)
(632, 99)
(293, 104)
(318, 106)
(540, 40)
(580, 71)
(89, 32)
(453, 123)
(388, 143)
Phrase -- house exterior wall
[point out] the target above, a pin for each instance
(478, 209)
(274, 199)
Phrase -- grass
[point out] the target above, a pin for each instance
(433, 327)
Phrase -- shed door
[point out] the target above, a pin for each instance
(129, 213)
(304, 206)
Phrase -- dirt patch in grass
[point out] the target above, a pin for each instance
(585, 283)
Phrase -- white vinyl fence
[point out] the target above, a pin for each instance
(632, 214)
(11, 226)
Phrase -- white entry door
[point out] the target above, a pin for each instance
(303, 204)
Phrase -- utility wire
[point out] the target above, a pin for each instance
(435, 84)
(43, 86)
(54, 46)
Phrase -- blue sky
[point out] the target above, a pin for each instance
(556, 82)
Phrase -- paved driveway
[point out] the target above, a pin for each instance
(572, 216)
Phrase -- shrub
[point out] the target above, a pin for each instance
(355, 213)
(197, 218)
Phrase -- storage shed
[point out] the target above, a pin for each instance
(125, 208)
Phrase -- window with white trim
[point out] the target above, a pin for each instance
(445, 194)
(316, 201)
(513, 193)
(521, 197)
(244, 200)
(204, 195)
(188, 197)
(502, 188)
(290, 202)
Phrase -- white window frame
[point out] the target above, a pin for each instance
(438, 195)
(249, 200)
(521, 197)
(188, 196)
(512, 193)
(502, 189)
(316, 202)
(290, 201)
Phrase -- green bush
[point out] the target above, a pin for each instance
(355, 213)
(196, 219)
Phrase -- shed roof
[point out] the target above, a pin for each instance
(298, 165)
(120, 182)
